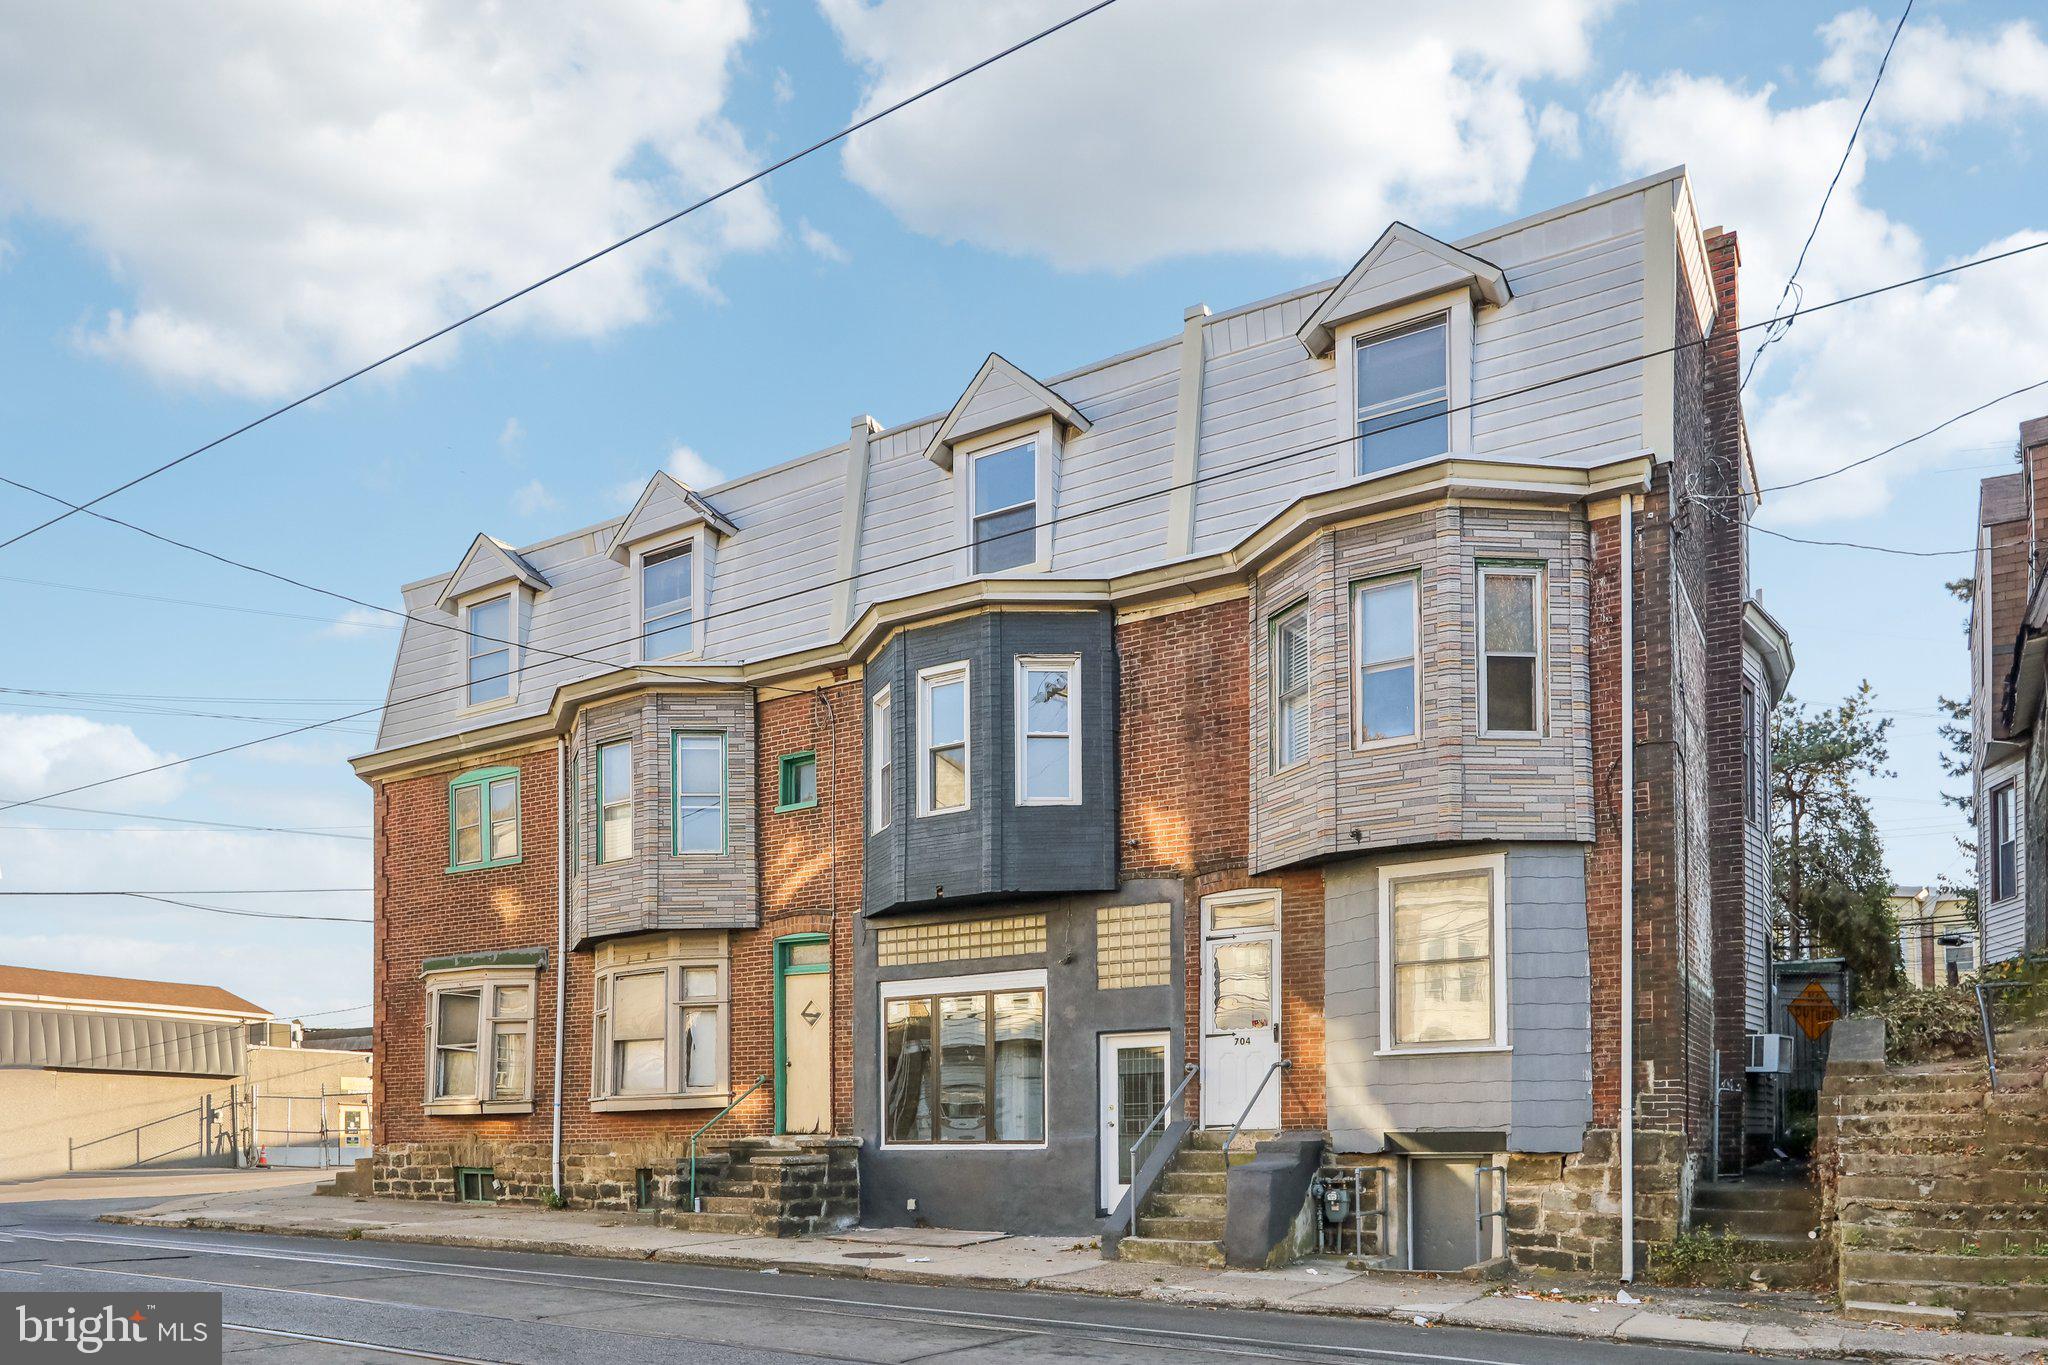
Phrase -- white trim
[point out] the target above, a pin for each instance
(927, 679)
(1070, 664)
(1455, 306)
(1660, 320)
(1206, 1004)
(1495, 866)
(881, 737)
(1043, 435)
(1022, 979)
(484, 983)
(1107, 1045)
(510, 595)
(700, 542)
(1030, 979)
(673, 970)
(1304, 608)
(1539, 602)
(1359, 588)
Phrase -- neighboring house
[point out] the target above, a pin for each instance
(1250, 701)
(1937, 935)
(2008, 634)
(103, 1071)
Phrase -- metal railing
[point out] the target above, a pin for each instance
(1282, 1065)
(213, 1135)
(759, 1081)
(1990, 1031)
(1480, 1213)
(1187, 1074)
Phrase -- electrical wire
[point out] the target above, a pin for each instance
(328, 832)
(1118, 505)
(1839, 545)
(758, 175)
(191, 602)
(197, 905)
(210, 891)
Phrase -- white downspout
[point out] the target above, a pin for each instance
(1628, 887)
(564, 831)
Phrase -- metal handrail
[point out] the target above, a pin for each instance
(1984, 1020)
(1187, 1074)
(1480, 1213)
(759, 1081)
(1282, 1065)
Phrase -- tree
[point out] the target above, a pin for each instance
(1958, 760)
(1827, 864)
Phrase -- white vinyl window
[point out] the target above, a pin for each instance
(2005, 843)
(1387, 700)
(1048, 731)
(699, 783)
(659, 1032)
(667, 581)
(942, 742)
(480, 1043)
(1442, 977)
(1005, 508)
(882, 751)
(489, 624)
(614, 801)
(1510, 651)
(1289, 665)
(1404, 395)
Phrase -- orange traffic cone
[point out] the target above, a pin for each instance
(262, 1156)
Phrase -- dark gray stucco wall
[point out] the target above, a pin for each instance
(1539, 1092)
(1053, 1189)
(996, 847)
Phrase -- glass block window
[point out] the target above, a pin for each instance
(1133, 946)
(959, 940)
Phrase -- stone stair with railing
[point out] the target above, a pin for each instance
(1776, 1215)
(1941, 1199)
(771, 1187)
(1181, 1222)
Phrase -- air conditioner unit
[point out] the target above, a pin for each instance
(1770, 1054)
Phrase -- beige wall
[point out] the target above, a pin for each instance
(299, 1093)
(40, 1110)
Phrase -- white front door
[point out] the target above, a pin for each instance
(1131, 1076)
(1240, 1008)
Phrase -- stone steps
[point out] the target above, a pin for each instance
(1171, 1251)
(2027, 1219)
(2003, 1187)
(1758, 1224)
(1946, 1239)
(1182, 1220)
(1167, 1205)
(1192, 1182)
(1170, 1228)
(739, 1224)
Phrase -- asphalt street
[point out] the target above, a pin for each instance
(295, 1299)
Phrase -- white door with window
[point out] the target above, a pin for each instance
(1240, 1008)
(1131, 1078)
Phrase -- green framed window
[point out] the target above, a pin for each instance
(476, 1184)
(699, 782)
(799, 789)
(483, 819)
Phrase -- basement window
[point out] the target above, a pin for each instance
(476, 1184)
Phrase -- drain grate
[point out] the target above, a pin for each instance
(872, 1255)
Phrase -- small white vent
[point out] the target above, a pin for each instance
(1770, 1054)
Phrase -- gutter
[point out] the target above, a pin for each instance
(562, 829)
(1628, 887)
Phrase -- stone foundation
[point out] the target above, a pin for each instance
(595, 1175)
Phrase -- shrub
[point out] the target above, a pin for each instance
(1927, 1024)
(1704, 1258)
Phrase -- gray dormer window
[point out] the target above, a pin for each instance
(1005, 508)
(489, 624)
(1404, 392)
(665, 597)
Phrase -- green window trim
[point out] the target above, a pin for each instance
(784, 969)
(476, 1185)
(787, 798)
(485, 780)
(676, 795)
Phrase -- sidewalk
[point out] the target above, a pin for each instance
(1764, 1323)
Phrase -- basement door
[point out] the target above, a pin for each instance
(803, 1034)
(1132, 1077)
(1240, 1009)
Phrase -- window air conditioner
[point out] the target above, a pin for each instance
(1770, 1053)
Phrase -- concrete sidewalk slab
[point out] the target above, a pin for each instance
(1663, 1330)
(1550, 1317)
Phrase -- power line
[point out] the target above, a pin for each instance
(1845, 545)
(181, 696)
(709, 199)
(331, 832)
(196, 905)
(191, 602)
(1118, 505)
(211, 891)
(1792, 290)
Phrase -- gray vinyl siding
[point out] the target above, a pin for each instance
(1577, 281)
(1539, 1093)
(996, 846)
(87, 1040)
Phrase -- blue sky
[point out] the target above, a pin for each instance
(224, 205)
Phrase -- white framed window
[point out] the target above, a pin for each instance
(490, 647)
(1752, 757)
(943, 765)
(1004, 488)
(1511, 651)
(1048, 730)
(668, 601)
(659, 1031)
(882, 762)
(699, 786)
(1287, 662)
(963, 1062)
(614, 801)
(1387, 694)
(1402, 386)
(2005, 842)
(1443, 955)
(480, 1042)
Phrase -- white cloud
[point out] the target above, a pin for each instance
(532, 498)
(1558, 129)
(40, 754)
(692, 469)
(1850, 381)
(820, 243)
(784, 89)
(1150, 131)
(1937, 79)
(357, 623)
(292, 190)
(511, 436)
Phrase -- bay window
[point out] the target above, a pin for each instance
(660, 1023)
(943, 748)
(699, 786)
(1441, 955)
(1048, 707)
(1387, 699)
(480, 1042)
(1289, 666)
(882, 757)
(963, 1061)
(1510, 651)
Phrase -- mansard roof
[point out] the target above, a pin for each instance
(1403, 264)
(490, 561)
(999, 395)
(666, 504)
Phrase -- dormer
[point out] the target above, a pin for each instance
(491, 593)
(1002, 441)
(667, 543)
(1398, 327)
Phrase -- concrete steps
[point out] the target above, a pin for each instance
(1171, 1251)
(1181, 1222)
